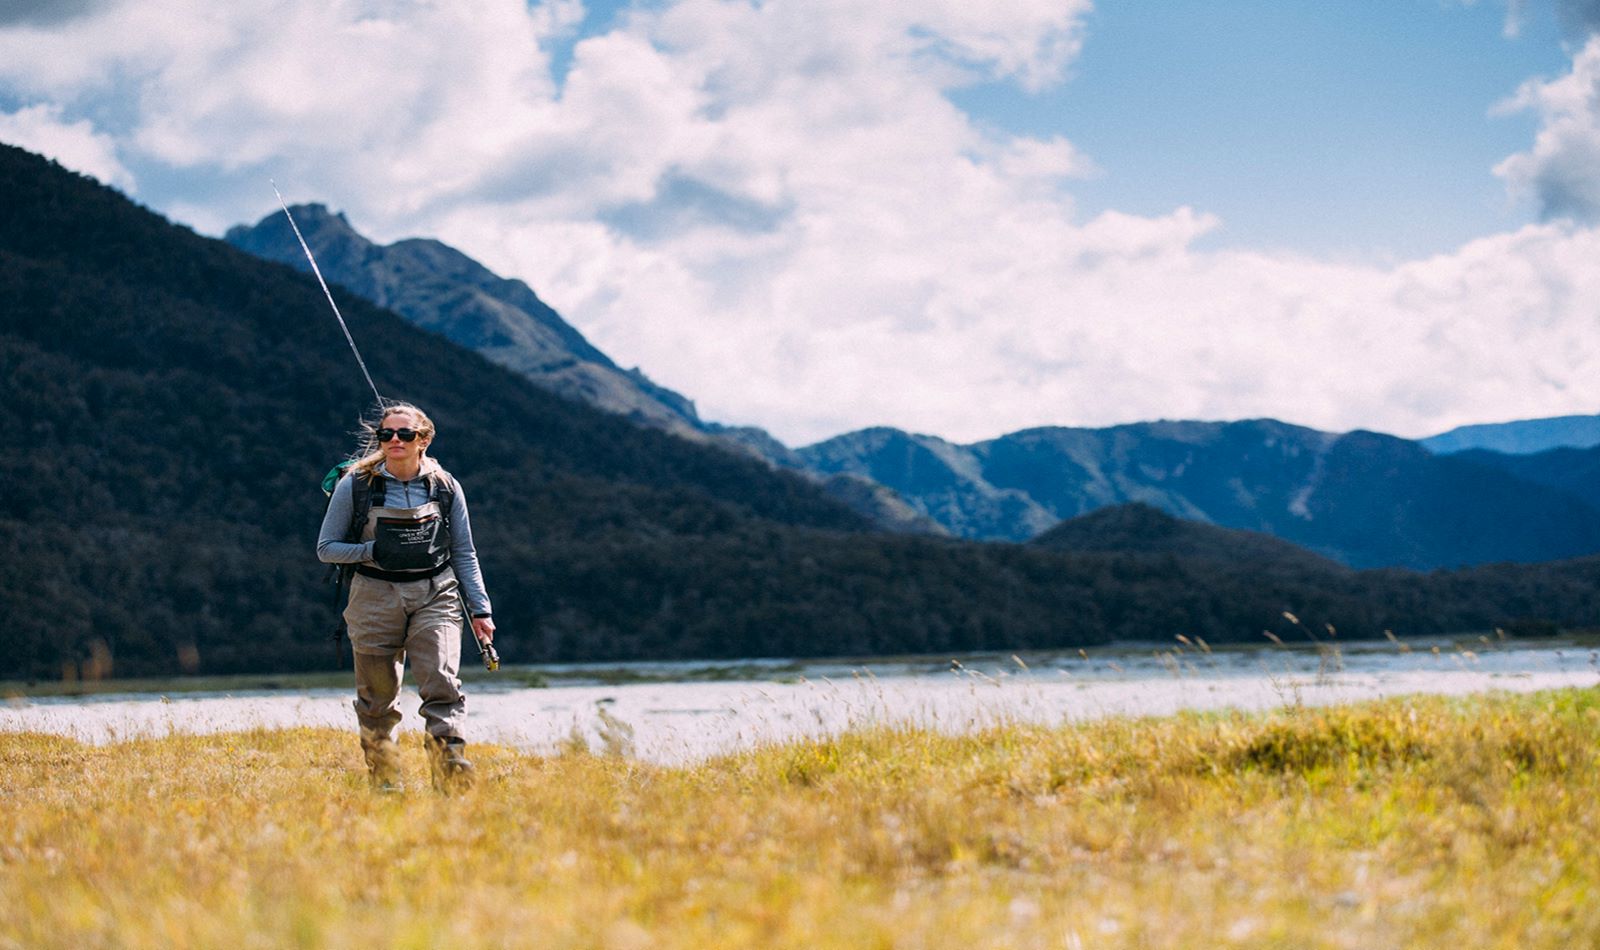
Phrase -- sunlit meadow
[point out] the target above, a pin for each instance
(1414, 821)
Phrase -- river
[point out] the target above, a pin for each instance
(672, 713)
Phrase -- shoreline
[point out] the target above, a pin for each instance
(769, 669)
(685, 720)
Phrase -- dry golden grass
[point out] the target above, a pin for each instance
(1416, 822)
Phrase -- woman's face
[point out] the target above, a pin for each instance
(395, 449)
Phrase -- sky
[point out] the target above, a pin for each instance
(954, 218)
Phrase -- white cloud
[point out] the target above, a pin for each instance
(386, 103)
(1046, 162)
(1563, 167)
(776, 209)
(76, 145)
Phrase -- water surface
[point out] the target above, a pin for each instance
(669, 713)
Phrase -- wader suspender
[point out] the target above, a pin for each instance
(367, 495)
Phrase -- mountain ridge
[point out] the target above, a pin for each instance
(1575, 471)
(1364, 498)
(443, 290)
(1519, 437)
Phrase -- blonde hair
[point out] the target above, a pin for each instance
(370, 453)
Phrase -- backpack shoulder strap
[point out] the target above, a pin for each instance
(366, 493)
(442, 489)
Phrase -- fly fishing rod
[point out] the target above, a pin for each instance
(327, 293)
(491, 657)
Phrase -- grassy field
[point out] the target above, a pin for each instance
(1417, 822)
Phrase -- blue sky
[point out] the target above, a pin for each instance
(1348, 127)
(953, 218)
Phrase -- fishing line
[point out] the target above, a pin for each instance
(318, 271)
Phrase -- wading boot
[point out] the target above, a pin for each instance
(448, 761)
(383, 762)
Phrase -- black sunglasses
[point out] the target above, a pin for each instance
(406, 435)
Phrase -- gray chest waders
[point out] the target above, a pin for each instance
(409, 544)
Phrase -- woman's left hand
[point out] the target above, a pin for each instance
(483, 629)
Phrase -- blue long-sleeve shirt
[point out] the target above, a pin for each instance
(332, 548)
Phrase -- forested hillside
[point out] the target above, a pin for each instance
(172, 404)
(1138, 528)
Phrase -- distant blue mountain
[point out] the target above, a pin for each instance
(1574, 471)
(1519, 438)
(1362, 498)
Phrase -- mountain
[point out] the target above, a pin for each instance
(881, 505)
(1520, 438)
(1570, 470)
(1362, 498)
(942, 480)
(172, 404)
(1138, 528)
(441, 289)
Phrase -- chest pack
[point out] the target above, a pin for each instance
(412, 540)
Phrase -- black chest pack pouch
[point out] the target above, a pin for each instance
(409, 539)
(413, 539)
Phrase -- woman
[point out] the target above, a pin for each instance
(401, 520)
